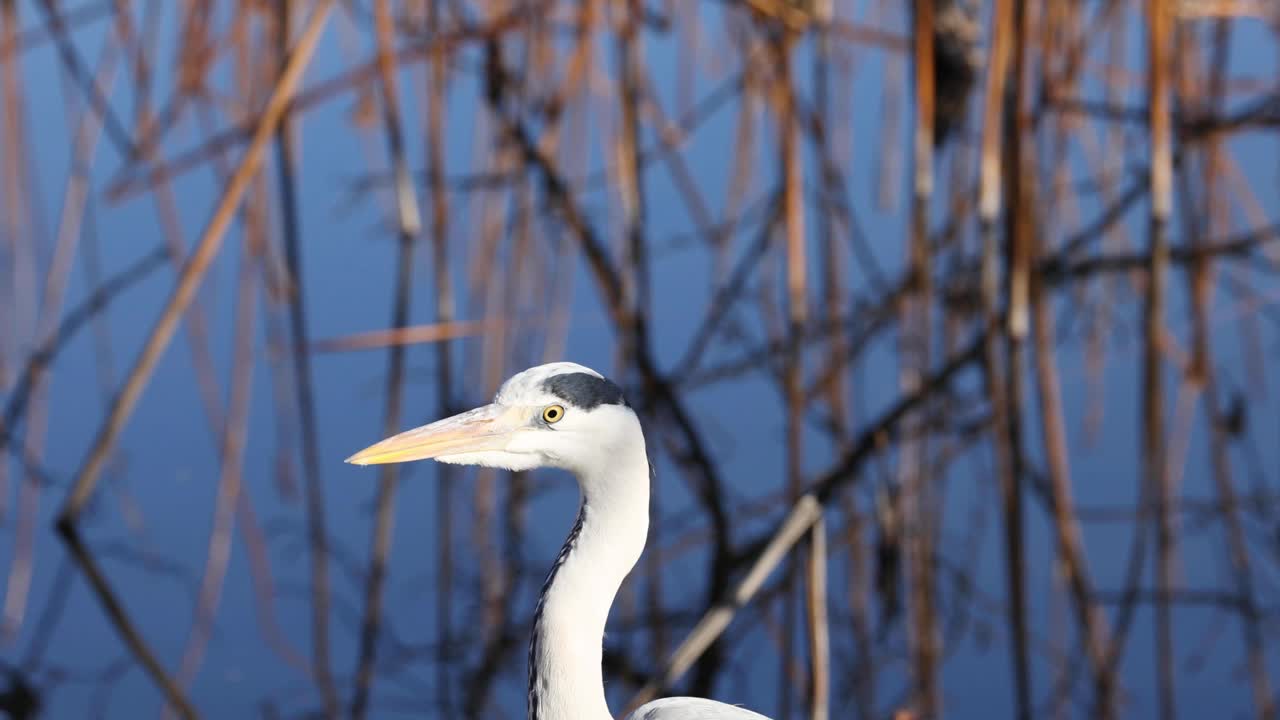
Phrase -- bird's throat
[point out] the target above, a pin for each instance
(565, 677)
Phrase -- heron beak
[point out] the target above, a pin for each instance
(484, 428)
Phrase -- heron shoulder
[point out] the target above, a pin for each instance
(690, 708)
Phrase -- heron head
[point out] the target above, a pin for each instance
(559, 415)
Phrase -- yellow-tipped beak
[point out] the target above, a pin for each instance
(485, 428)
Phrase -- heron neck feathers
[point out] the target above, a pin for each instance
(565, 677)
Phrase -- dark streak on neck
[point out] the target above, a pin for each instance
(536, 681)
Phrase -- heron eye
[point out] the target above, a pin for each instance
(552, 413)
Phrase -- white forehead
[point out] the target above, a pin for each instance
(525, 388)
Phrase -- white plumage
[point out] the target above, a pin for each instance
(690, 708)
(566, 416)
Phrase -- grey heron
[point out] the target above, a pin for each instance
(566, 416)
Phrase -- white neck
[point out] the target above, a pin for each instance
(565, 679)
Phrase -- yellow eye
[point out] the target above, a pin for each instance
(552, 413)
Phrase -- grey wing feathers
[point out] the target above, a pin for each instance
(688, 708)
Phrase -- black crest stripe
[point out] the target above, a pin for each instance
(584, 390)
